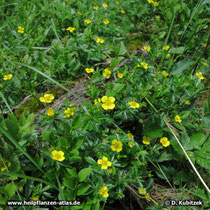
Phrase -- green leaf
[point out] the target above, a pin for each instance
(10, 189)
(142, 152)
(165, 157)
(70, 182)
(90, 160)
(181, 66)
(203, 159)
(117, 87)
(77, 143)
(122, 50)
(196, 141)
(116, 61)
(84, 173)
(72, 172)
(82, 188)
(205, 2)
(76, 123)
(153, 133)
(177, 50)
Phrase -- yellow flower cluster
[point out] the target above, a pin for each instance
(58, 155)
(104, 162)
(166, 47)
(71, 29)
(4, 166)
(50, 112)
(178, 119)
(147, 48)
(107, 73)
(144, 65)
(20, 30)
(146, 140)
(96, 101)
(133, 104)
(7, 77)
(48, 98)
(165, 142)
(200, 75)
(165, 73)
(108, 102)
(106, 21)
(100, 40)
(89, 70)
(116, 145)
(69, 111)
(103, 192)
(88, 21)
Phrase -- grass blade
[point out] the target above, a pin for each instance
(5, 101)
(27, 177)
(13, 141)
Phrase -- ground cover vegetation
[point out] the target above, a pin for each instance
(137, 135)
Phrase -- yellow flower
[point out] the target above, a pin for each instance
(150, 1)
(107, 73)
(20, 30)
(104, 162)
(100, 40)
(155, 79)
(165, 73)
(146, 140)
(186, 83)
(133, 104)
(130, 144)
(138, 65)
(34, 199)
(110, 171)
(70, 29)
(7, 77)
(142, 191)
(4, 166)
(130, 135)
(89, 70)
(145, 65)
(187, 102)
(178, 119)
(147, 196)
(69, 111)
(103, 192)
(204, 44)
(122, 11)
(119, 75)
(147, 48)
(95, 8)
(155, 4)
(105, 5)
(117, 2)
(200, 75)
(88, 21)
(58, 155)
(116, 145)
(108, 102)
(165, 142)
(48, 98)
(166, 47)
(96, 101)
(168, 55)
(106, 21)
(50, 112)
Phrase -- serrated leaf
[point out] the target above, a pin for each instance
(196, 141)
(84, 173)
(203, 159)
(82, 188)
(77, 143)
(181, 66)
(122, 50)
